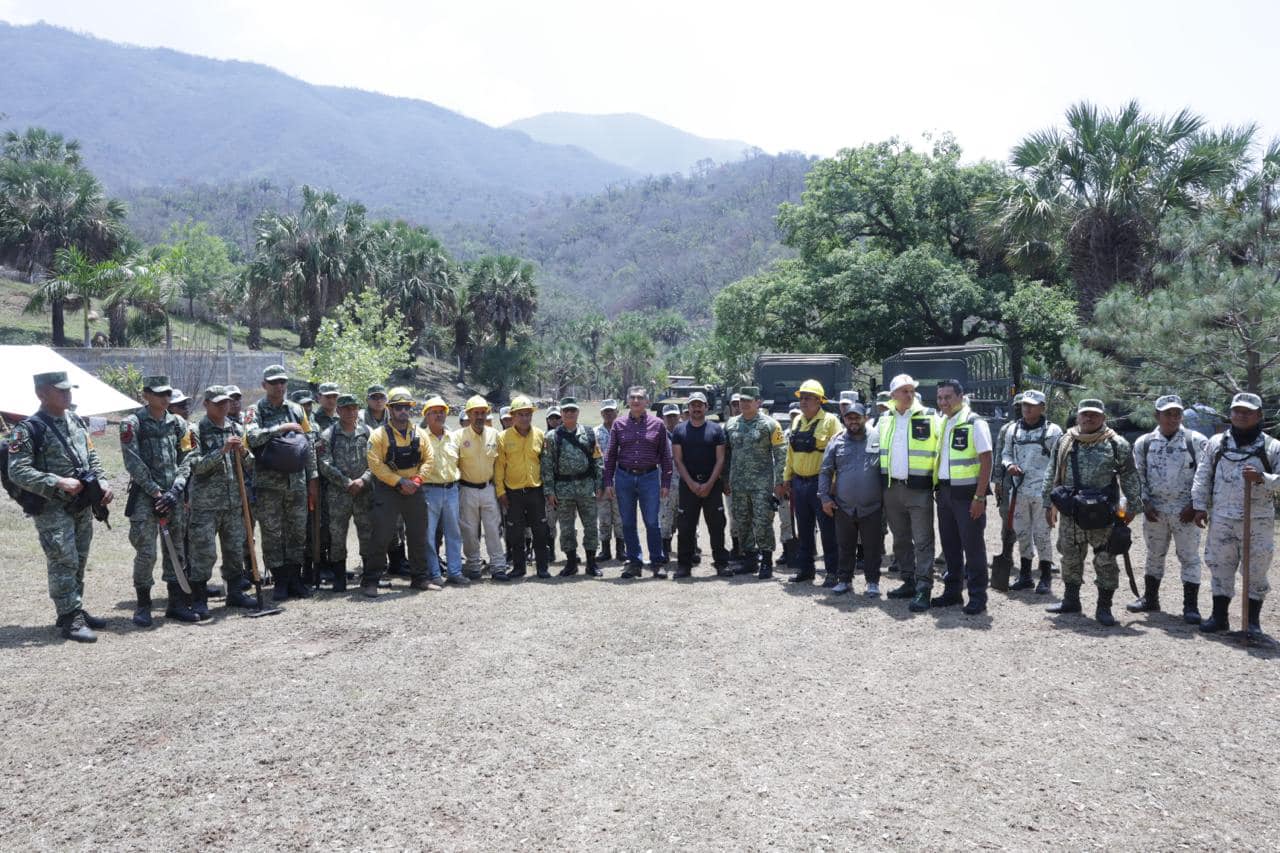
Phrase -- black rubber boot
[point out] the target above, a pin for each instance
(339, 576)
(180, 606)
(1191, 603)
(237, 597)
(297, 589)
(605, 552)
(1150, 598)
(280, 584)
(1070, 600)
(1218, 621)
(72, 626)
(1103, 611)
(766, 565)
(200, 599)
(1024, 580)
(570, 565)
(1255, 617)
(142, 614)
(592, 568)
(1046, 578)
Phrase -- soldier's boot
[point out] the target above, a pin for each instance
(180, 606)
(339, 570)
(94, 622)
(200, 599)
(766, 565)
(296, 587)
(280, 584)
(1218, 621)
(593, 568)
(920, 601)
(906, 590)
(1024, 580)
(1255, 618)
(949, 598)
(142, 614)
(518, 570)
(736, 552)
(570, 565)
(1070, 600)
(682, 571)
(1190, 603)
(236, 597)
(216, 590)
(1150, 598)
(1046, 578)
(619, 548)
(1103, 611)
(606, 552)
(72, 626)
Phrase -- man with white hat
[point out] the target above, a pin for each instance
(1242, 453)
(1166, 459)
(1027, 449)
(478, 511)
(909, 439)
(608, 517)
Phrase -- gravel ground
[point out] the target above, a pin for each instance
(579, 713)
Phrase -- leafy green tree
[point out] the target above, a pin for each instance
(501, 301)
(201, 261)
(415, 274)
(362, 343)
(148, 283)
(629, 356)
(74, 275)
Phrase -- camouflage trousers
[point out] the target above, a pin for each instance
(341, 508)
(577, 500)
(667, 513)
(1224, 548)
(608, 518)
(1074, 543)
(208, 529)
(752, 512)
(1186, 546)
(144, 533)
(552, 519)
(282, 520)
(786, 522)
(65, 539)
(1035, 537)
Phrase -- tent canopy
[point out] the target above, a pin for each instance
(18, 395)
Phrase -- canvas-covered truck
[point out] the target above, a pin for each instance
(983, 369)
(680, 387)
(779, 376)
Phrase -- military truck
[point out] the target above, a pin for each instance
(779, 376)
(983, 369)
(680, 387)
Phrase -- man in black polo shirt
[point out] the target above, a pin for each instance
(697, 448)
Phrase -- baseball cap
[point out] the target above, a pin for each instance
(736, 398)
(670, 409)
(216, 394)
(327, 388)
(569, 403)
(1090, 405)
(553, 412)
(178, 397)
(698, 397)
(1245, 400)
(848, 398)
(233, 391)
(1032, 397)
(158, 384)
(504, 411)
(1169, 401)
(610, 405)
(900, 381)
(857, 407)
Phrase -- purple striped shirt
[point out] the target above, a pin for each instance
(638, 443)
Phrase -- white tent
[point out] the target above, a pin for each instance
(18, 395)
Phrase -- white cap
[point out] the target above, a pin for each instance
(1032, 397)
(900, 381)
(848, 398)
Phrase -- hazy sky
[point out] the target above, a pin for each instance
(784, 75)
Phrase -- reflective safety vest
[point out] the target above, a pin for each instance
(922, 447)
(962, 453)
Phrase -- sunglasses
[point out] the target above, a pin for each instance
(400, 407)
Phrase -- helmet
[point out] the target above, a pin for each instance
(813, 386)
(476, 402)
(521, 404)
(399, 394)
(436, 402)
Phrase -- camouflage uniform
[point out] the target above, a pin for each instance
(156, 454)
(217, 517)
(1032, 451)
(667, 511)
(1101, 464)
(574, 478)
(758, 458)
(786, 519)
(342, 457)
(608, 516)
(281, 498)
(1166, 469)
(65, 535)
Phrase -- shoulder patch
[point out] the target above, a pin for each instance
(251, 415)
(18, 440)
(126, 431)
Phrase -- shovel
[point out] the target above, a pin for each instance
(253, 548)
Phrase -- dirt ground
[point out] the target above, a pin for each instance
(577, 713)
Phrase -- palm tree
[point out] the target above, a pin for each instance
(415, 276)
(592, 329)
(501, 299)
(74, 275)
(1098, 191)
(148, 283)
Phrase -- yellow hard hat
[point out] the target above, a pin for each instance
(436, 402)
(476, 402)
(521, 404)
(813, 386)
(399, 394)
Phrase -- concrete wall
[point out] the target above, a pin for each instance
(190, 370)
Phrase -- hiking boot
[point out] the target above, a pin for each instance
(722, 570)
(592, 568)
(517, 572)
(683, 572)
(659, 570)
(570, 566)
(142, 614)
(280, 585)
(200, 600)
(1046, 578)
(666, 547)
(1190, 604)
(1218, 621)
(180, 606)
(94, 622)
(72, 626)
(949, 598)
(238, 598)
(423, 582)
(1103, 611)
(973, 608)
(830, 580)
(1150, 598)
(297, 589)
(633, 569)
(619, 549)
(1070, 600)
(605, 552)
(873, 590)
(369, 589)
(766, 565)
(1024, 580)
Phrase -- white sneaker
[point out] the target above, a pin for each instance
(873, 590)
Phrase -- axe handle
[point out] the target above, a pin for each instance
(1245, 556)
(248, 521)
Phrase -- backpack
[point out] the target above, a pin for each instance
(560, 436)
(30, 502)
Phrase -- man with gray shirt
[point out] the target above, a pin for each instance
(851, 487)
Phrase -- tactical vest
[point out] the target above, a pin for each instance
(402, 456)
(922, 448)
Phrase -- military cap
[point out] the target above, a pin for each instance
(327, 388)
(1169, 401)
(436, 402)
(610, 405)
(216, 394)
(697, 397)
(476, 402)
(178, 397)
(1090, 406)
(157, 384)
(1031, 398)
(274, 373)
(749, 392)
(855, 407)
(1245, 400)
(520, 404)
(302, 397)
(376, 389)
(553, 412)
(345, 400)
(233, 391)
(57, 379)
(736, 398)
(670, 409)
(569, 403)
(399, 396)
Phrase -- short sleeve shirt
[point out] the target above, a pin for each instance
(698, 446)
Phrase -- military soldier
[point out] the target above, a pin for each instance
(554, 420)
(1230, 458)
(321, 419)
(234, 412)
(517, 477)
(667, 509)
(342, 456)
(217, 515)
(285, 481)
(180, 404)
(400, 457)
(1001, 482)
(327, 416)
(155, 446)
(755, 476)
(608, 518)
(478, 511)
(1088, 462)
(572, 477)
(49, 455)
(310, 572)
(1166, 459)
(786, 511)
(1028, 448)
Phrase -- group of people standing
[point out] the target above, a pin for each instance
(489, 497)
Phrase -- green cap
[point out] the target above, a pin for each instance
(302, 397)
(569, 403)
(57, 379)
(376, 389)
(178, 397)
(157, 384)
(233, 391)
(1091, 406)
(274, 372)
(216, 394)
(327, 388)
(347, 400)
(749, 392)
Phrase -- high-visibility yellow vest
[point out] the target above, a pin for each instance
(922, 447)
(962, 453)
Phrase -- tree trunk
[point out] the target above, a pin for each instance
(254, 340)
(1253, 378)
(168, 332)
(118, 325)
(86, 324)
(58, 322)
(1015, 358)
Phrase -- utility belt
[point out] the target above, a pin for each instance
(573, 478)
(470, 485)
